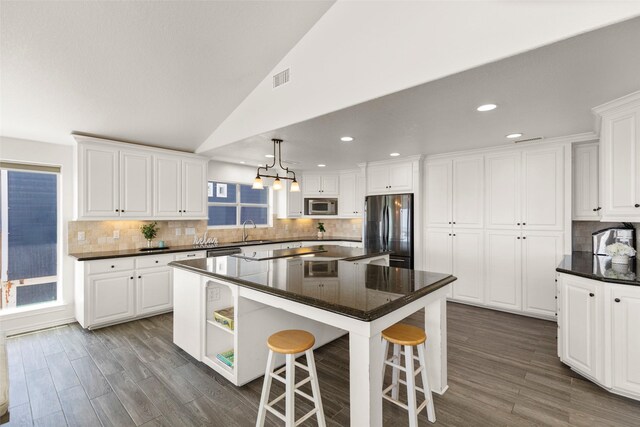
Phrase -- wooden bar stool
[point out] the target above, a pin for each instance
(290, 343)
(408, 337)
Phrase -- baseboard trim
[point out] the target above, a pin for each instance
(504, 310)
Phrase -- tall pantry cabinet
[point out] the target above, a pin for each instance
(496, 220)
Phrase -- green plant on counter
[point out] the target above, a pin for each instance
(320, 227)
(149, 231)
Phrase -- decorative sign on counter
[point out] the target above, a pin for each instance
(205, 241)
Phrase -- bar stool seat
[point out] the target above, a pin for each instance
(290, 343)
(407, 337)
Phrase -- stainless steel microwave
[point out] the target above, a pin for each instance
(321, 206)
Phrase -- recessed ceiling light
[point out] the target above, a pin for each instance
(514, 135)
(270, 156)
(487, 107)
(242, 162)
(394, 154)
(346, 139)
(321, 165)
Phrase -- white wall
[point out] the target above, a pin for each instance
(222, 171)
(20, 150)
(361, 50)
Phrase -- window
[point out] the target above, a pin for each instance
(231, 204)
(29, 230)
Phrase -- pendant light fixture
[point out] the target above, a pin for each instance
(277, 184)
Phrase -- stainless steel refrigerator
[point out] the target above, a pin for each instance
(389, 227)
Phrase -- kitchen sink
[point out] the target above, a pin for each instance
(250, 242)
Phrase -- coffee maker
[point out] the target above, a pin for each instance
(608, 236)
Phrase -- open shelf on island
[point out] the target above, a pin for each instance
(220, 326)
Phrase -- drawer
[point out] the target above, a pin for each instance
(110, 265)
(191, 255)
(153, 261)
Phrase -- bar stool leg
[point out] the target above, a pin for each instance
(385, 352)
(411, 386)
(290, 394)
(315, 387)
(395, 391)
(266, 388)
(431, 411)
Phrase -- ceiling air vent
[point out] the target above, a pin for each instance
(538, 138)
(281, 78)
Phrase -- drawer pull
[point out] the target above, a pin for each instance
(617, 300)
(139, 277)
(591, 294)
(131, 277)
(113, 266)
(156, 261)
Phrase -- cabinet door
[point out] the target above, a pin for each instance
(626, 340)
(111, 297)
(439, 188)
(135, 184)
(468, 265)
(400, 177)
(330, 185)
(503, 264)
(168, 187)
(502, 181)
(194, 188)
(377, 179)
(347, 199)
(585, 182)
(98, 182)
(579, 328)
(542, 251)
(154, 291)
(438, 252)
(360, 192)
(468, 192)
(294, 204)
(312, 185)
(542, 189)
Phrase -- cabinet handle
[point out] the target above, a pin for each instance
(449, 222)
(524, 223)
(617, 300)
(454, 234)
(449, 234)
(597, 209)
(591, 294)
(156, 261)
(117, 210)
(113, 266)
(122, 211)
(518, 224)
(454, 222)
(637, 205)
(524, 237)
(131, 277)
(139, 277)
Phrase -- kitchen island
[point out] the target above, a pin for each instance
(330, 292)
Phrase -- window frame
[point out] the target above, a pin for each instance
(238, 205)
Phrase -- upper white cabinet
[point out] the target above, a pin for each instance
(390, 177)
(585, 182)
(289, 204)
(351, 199)
(117, 180)
(323, 185)
(620, 158)
(455, 192)
(525, 189)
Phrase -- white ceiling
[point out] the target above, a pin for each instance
(546, 92)
(166, 73)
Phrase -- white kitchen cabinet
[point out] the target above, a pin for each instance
(455, 193)
(181, 187)
(620, 158)
(322, 185)
(541, 254)
(503, 269)
(468, 265)
(438, 252)
(351, 199)
(289, 204)
(586, 205)
(580, 316)
(135, 184)
(111, 297)
(525, 189)
(154, 290)
(390, 177)
(98, 184)
(625, 312)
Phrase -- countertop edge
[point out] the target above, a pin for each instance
(598, 278)
(177, 249)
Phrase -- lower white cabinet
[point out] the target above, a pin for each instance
(598, 332)
(541, 254)
(111, 297)
(154, 290)
(503, 256)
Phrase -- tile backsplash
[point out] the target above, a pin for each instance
(98, 235)
(581, 233)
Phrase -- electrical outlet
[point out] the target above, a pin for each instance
(178, 231)
(190, 231)
(355, 227)
(116, 234)
(286, 227)
(81, 235)
(213, 294)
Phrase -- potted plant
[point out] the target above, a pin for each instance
(321, 230)
(620, 253)
(149, 231)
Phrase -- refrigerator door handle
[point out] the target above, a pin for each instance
(388, 236)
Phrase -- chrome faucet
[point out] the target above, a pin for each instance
(244, 230)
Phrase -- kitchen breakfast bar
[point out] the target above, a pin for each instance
(226, 307)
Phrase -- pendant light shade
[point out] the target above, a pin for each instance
(295, 187)
(257, 183)
(277, 184)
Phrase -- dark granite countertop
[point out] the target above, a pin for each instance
(319, 251)
(585, 264)
(361, 291)
(187, 248)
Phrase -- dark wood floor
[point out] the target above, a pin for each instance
(502, 371)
